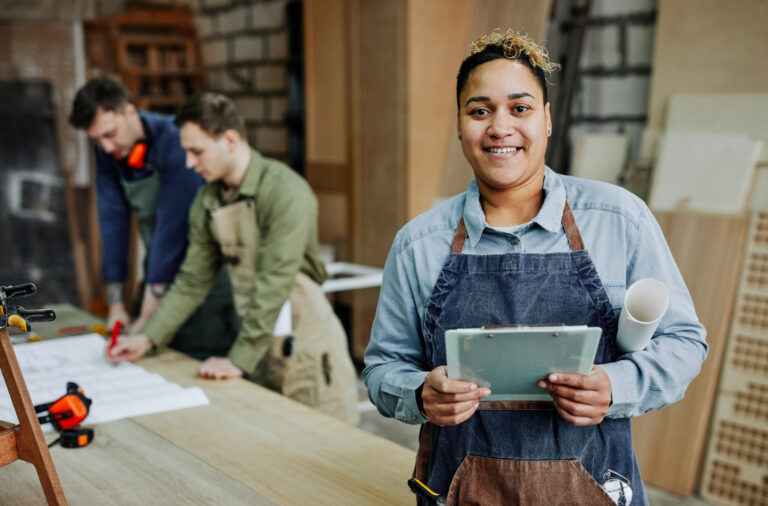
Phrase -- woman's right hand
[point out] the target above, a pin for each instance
(447, 401)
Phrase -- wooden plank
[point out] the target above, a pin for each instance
(439, 32)
(8, 452)
(328, 177)
(708, 248)
(126, 464)
(378, 140)
(721, 165)
(326, 93)
(688, 59)
(284, 450)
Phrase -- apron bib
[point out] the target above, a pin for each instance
(521, 452)
(213, 327)
(317, 371)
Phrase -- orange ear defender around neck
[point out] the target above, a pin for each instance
(135, 158)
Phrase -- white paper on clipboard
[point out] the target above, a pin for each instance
(511, 360)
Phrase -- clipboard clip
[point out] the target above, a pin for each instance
(518, 325)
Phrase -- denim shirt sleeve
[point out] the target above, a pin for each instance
(395, 358)
(658, 375)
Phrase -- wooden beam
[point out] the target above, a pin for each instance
(328, 177)
(8, 451)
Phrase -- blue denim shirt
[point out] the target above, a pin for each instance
(625, 243)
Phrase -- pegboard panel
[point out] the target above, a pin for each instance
(736, 470)
(749, 356)
(756, 271)
(741, 442)
(725, 483)
(759, 233)
(752, 313)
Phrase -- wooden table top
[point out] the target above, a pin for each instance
(248, 446)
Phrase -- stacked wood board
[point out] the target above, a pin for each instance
(670, 443)
(736, 467)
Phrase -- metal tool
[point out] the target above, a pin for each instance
(426, 494)
(17, 316)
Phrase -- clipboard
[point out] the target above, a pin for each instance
(510, 360)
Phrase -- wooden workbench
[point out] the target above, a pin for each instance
(249, 446)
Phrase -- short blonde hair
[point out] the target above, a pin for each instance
(516, 46)
(511, 45)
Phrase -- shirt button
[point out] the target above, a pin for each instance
(513, 240)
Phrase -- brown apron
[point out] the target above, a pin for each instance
(319, 371)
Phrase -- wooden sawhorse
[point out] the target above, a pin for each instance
(25, 441)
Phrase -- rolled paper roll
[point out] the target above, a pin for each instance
(645, 303)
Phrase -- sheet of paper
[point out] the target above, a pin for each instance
(117, 390)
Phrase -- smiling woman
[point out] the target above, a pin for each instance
(525, 245)
(504, 122)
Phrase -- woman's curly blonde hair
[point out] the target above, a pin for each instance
(516, 46)
(511, 45)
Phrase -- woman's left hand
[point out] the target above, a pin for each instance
(580, 399)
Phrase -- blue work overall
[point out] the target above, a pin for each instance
(523, 452)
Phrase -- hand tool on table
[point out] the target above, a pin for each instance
(17, 316)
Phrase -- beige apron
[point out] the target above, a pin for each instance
(319, 370)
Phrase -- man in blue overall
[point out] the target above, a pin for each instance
(141, 171)
(525, 245)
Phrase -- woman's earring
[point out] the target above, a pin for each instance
(459, 136)
(549, 132)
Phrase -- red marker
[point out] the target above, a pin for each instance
(115, 333)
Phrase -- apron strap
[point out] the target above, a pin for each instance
(459, 237)
(568, 221)
(571, 229)
(422, 456)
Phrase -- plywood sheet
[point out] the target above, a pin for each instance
(707, 46)
(703, 172)
(529, 16)
(708, 250)
(599, 156)
(722, 113)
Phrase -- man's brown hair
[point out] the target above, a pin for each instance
(212, 112)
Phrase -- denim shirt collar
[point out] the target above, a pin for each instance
(549, 216)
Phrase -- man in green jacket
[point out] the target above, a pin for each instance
(259, 218)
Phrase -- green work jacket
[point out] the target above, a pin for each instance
(286, 214)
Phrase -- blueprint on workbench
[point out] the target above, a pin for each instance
(117, 390)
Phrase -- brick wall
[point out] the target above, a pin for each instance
(245, 52)
(615, 67)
